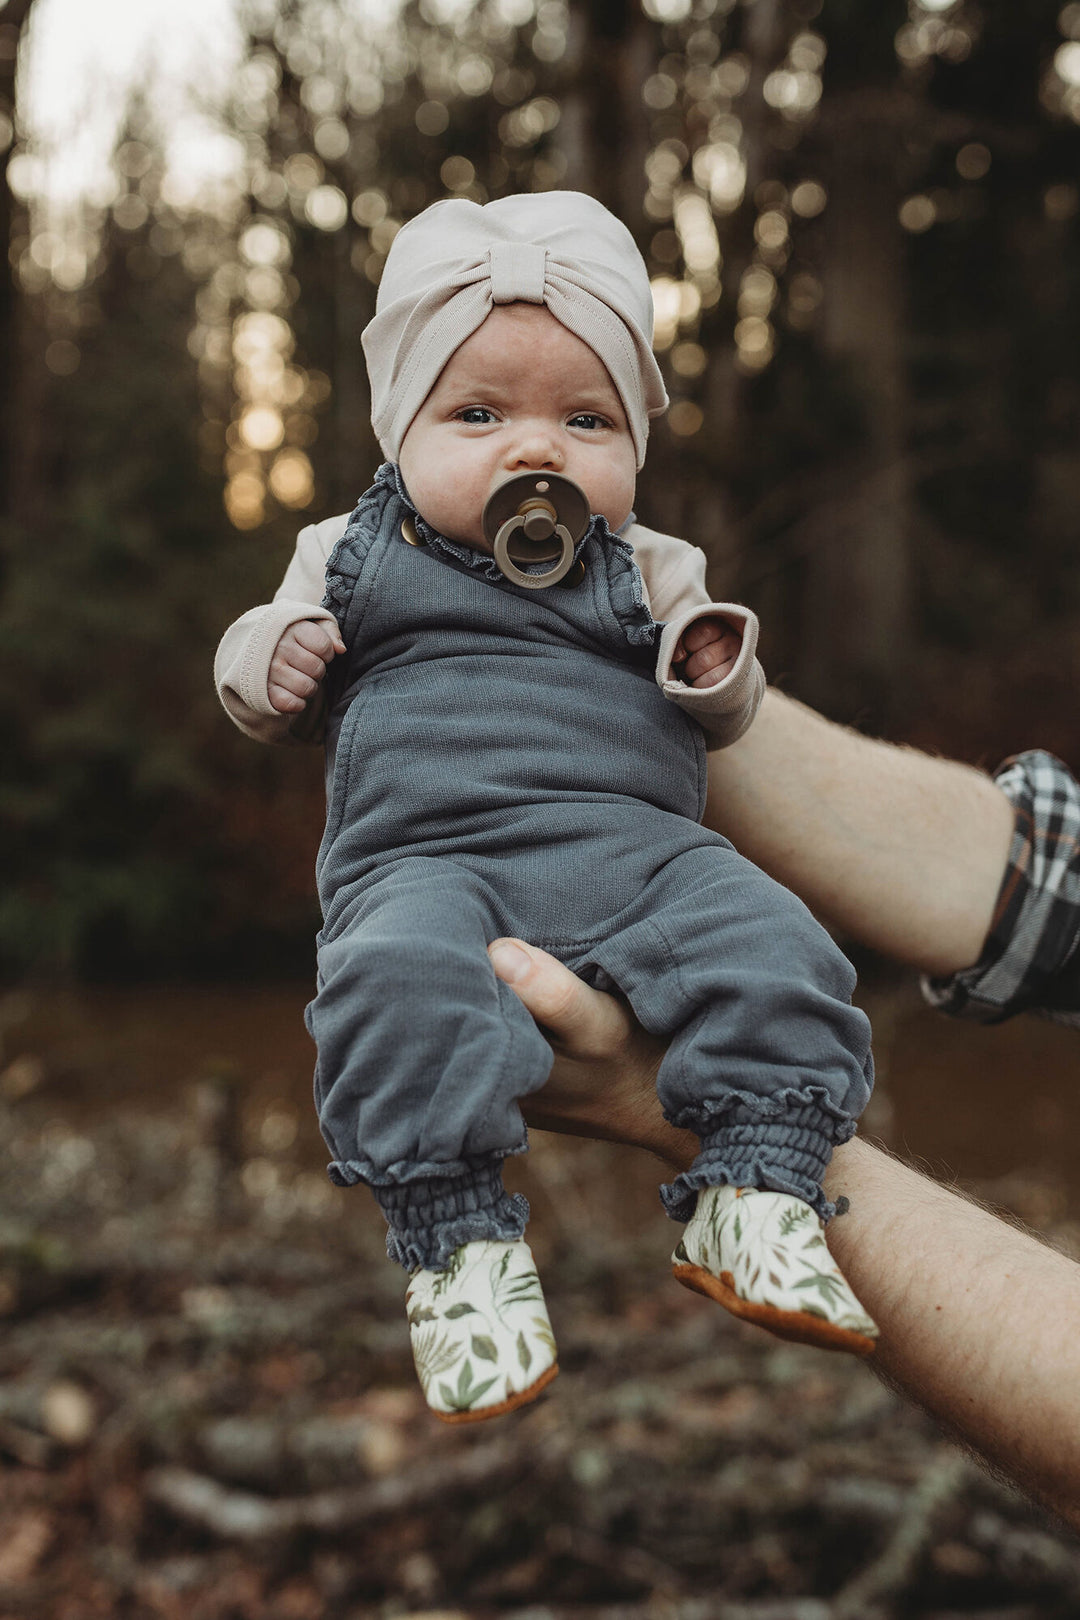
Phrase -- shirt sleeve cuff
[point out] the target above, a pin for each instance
(1031, 958)
(725, 710)
(242, 668)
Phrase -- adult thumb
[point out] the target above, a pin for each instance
(584, 1022)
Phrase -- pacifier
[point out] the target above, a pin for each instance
(535, 518)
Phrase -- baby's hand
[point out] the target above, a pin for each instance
(707, 650)
(299, 664)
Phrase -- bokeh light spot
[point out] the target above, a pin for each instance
(753, 334)
(973, 161)
(917, 214)
(369, 207)
(733, 76)
(804, 300)
(327, 208)
(771, 229)
(526, 124)
(432, 117)
(264, 244)
(474, 76)
(757, 291)
(515, 13)
(292, 480)
(62, 357)
(302, 173)
(689, 359)
(133, 159)
(685, 418)
(131, 212)
(382, 234)
(665, 248)
(697, 231)
(666, 11)
(261, 428)
(808, 199)
(1061, 201)
(666, 306)
(244, 500)
(659, 92)
(457, 173)
(1067, 62)
(331, 138)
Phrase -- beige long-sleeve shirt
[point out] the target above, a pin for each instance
(673, 573)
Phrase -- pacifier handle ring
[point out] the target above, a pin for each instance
(517, 576)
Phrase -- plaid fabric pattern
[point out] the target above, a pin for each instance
(1031, 962)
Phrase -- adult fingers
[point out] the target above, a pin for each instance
(583, 1023)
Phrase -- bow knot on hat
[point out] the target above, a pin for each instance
(450, 266)
(518, 272)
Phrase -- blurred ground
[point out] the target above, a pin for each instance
(207, 1408)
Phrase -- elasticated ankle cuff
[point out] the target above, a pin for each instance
(789, 1154)
(428, 1220)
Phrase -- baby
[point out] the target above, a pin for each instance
(505, 759)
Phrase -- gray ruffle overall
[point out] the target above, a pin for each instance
(502, 761)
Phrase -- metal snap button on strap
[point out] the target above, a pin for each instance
(408, 532)
(536, 518)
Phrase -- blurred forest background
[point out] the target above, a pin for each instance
(862, 221)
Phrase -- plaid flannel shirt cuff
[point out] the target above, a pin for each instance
(1030, 962)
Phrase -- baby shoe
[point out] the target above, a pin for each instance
(763, 1256)
(481, 1338)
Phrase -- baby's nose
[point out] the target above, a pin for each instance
(536, 447)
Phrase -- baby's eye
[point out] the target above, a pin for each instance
(588, 420)
(476, 415)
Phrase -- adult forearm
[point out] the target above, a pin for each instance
(980, 1323)
(902, 851)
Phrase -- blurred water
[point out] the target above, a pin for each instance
(997, 1107)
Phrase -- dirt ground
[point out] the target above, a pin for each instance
(207, 1412)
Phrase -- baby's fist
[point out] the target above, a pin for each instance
(707, 650)
(299, 664)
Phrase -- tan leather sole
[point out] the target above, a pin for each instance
(511, 1403)
(798, 1326)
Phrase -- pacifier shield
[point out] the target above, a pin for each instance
(535, 518)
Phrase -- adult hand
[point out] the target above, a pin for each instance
(980, 1323)
(603, 1083)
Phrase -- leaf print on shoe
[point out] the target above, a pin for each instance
(762, 1256)
(484, 1323)
(465, 1397)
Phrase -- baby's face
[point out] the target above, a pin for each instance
(522, 394)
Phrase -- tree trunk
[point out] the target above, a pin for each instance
(858, 578)
(603, 133)
(12, 17)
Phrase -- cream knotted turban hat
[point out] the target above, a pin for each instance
(450, 265)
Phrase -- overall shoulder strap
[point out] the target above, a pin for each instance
(376, 518)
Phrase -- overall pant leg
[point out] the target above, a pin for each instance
(421, 1054)
(768, 1062)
